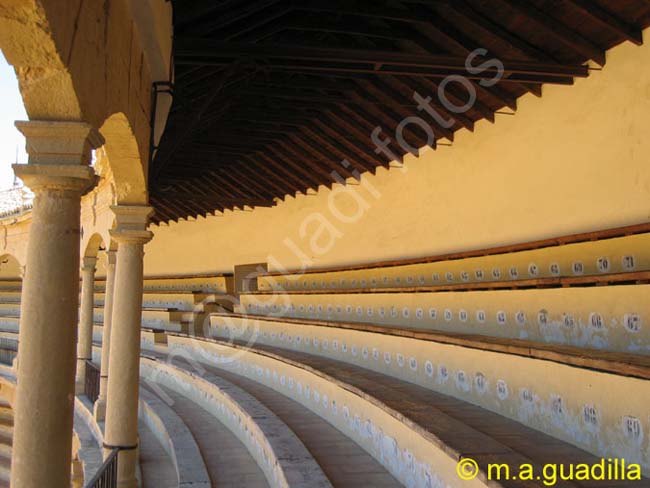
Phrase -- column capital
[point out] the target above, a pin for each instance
(111, 257)
(131, 224)
(89, 263)
(44, 177)
(59, 142)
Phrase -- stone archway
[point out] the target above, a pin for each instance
(10, 268)
(95, 63)
(127, 169)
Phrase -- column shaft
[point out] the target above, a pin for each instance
(121, 429)
(100, 405)
(58, 174)
(85, 341)
(42, 438)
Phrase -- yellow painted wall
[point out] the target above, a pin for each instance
(574, 160)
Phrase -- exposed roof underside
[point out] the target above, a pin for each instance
(270, 95)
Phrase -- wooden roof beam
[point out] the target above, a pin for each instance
(412, 86)
(202, 51)
(386, 92)
(558, 30)
(608, 19)
(222, 178)
(306, 166)
(358, 159)
(195, 21)
(305, 149)
(358, 144)
(241, 177)
(275, 170)
(277, 159)
(191, 197)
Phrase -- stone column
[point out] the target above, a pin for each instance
(58, 174)
(85, 338)
(121, 430)
(100, 404)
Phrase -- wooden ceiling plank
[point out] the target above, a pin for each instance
(334, 167)
(352, 128)
(356, 144)
(280, 152)
(353, 157)
(384, 115)
(203, 26)
(608, 19)
(273, 155)
(242, 177)
(413, 86)
(558, 30)
(223, 181)
(386, 92)
(188, 49)
(273, 169)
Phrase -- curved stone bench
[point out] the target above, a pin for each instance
(149, 339)
(7, 296)
(167, 319)
(217, 283)
(614, 318)
(562, 401)
(390, 438)
(282, 457)
(289, 333)
(186, 301)
(176, 439)
(544, 259)
(9, 324)
(11, 309)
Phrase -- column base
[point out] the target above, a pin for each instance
(99, 410)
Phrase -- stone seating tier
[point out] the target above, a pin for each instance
(594, 254)
(418, 433)
(612, 318)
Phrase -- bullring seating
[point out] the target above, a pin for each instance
(593, 298)
(594, 257)
(548, 343)
(419, 434)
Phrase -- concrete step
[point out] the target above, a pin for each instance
(228, 462)
(176, 439)
(344, 462)
(366, 400)
(156, 465)
(276, 450)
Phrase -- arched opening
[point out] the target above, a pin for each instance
(56, 87)
(10, 269)
(124, 161)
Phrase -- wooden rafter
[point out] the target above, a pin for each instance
(314, 79)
